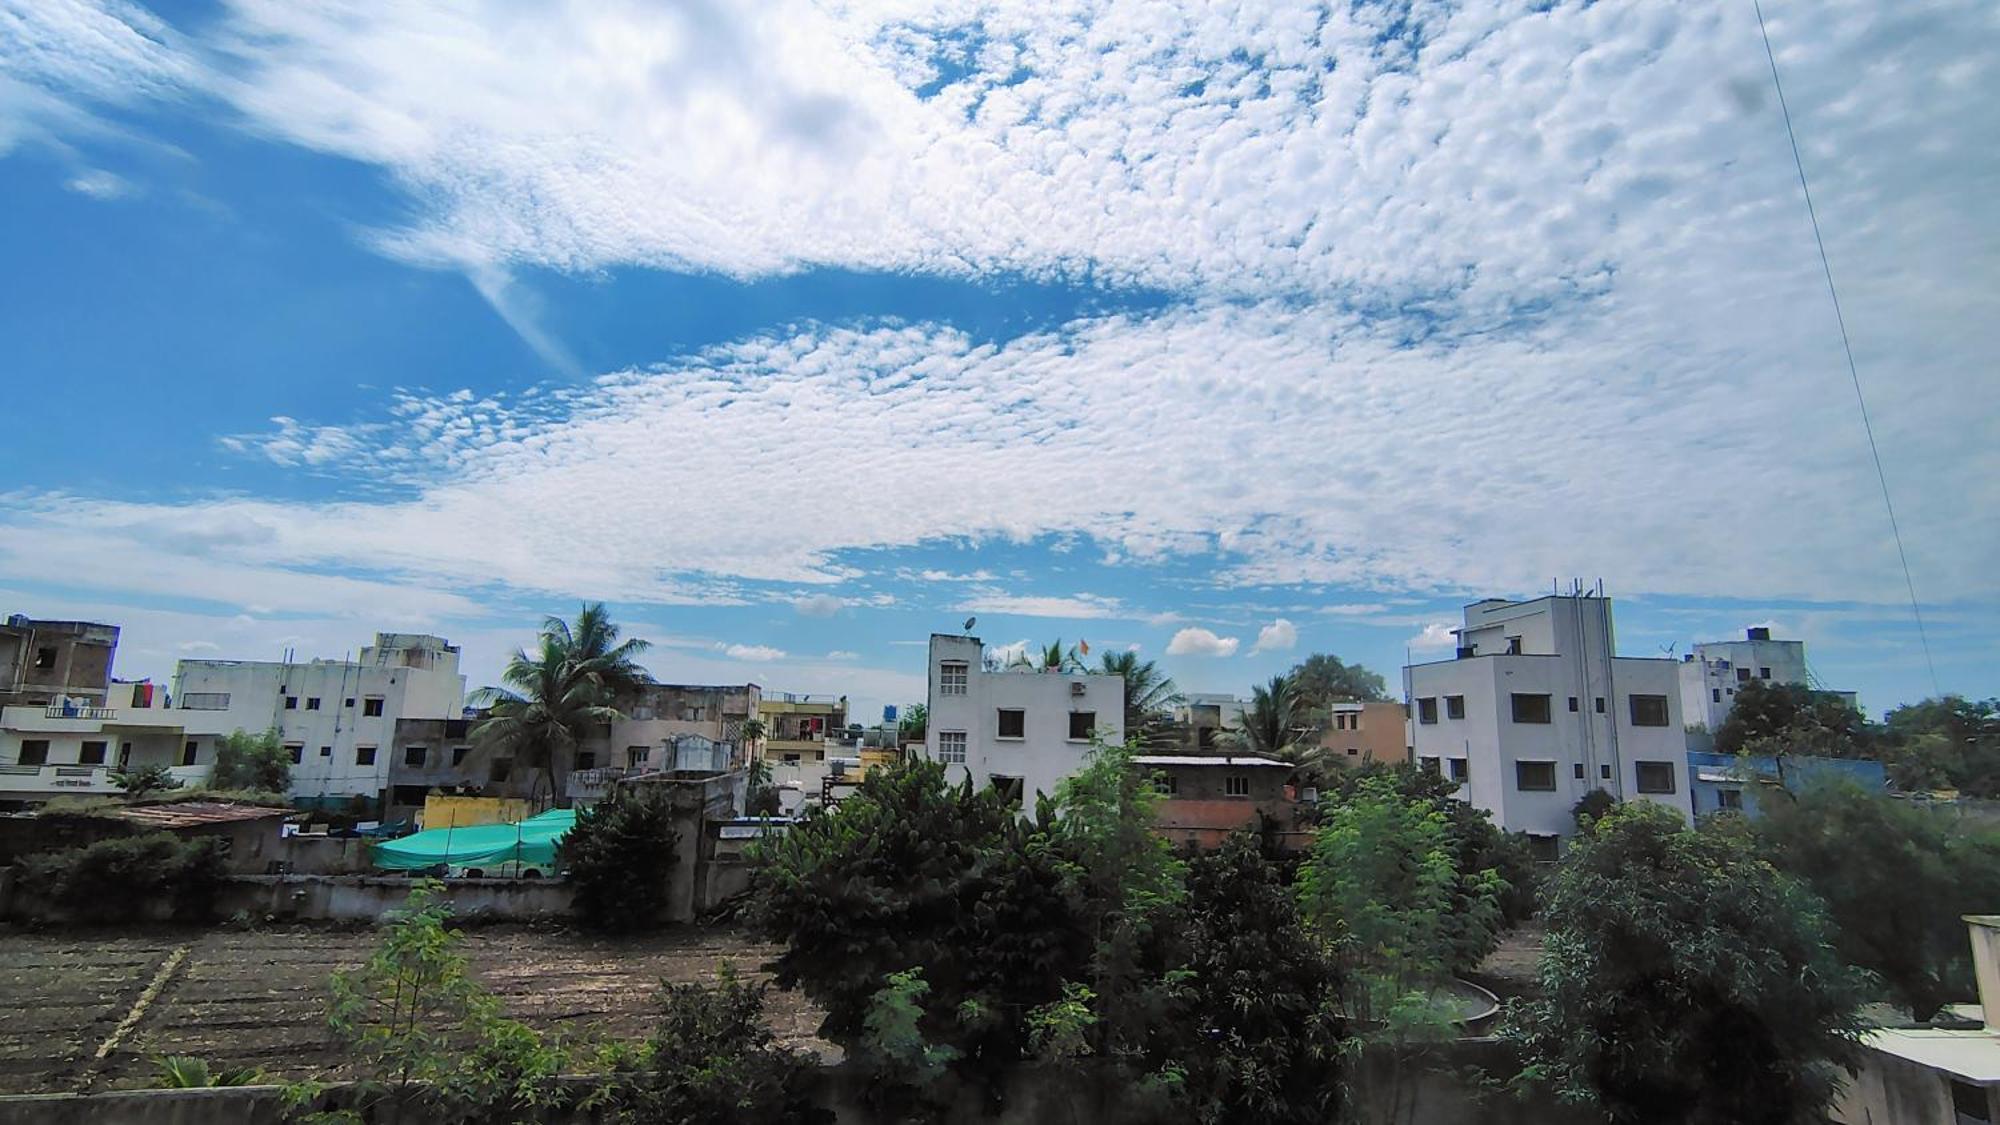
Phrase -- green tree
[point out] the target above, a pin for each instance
(429, 1040)
(137, 781)
(1322, 679)
(711, 1058)
(1685, 980)
(1276, 724)
(119, 879)
(1264, 1038)
(252, 761)
(1896, 881)
(752, 733)
(1381, 889)
(1946, 742)
(619, 857)
(1774, 718)
(556, 697)
(914, 722)
(1149, 694)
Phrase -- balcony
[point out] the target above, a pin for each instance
(55, 780)
(69, 711)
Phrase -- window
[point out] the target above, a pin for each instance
(45, 658)
(1454, 707)
(635, 756)
(1513, 646)
(1578, 771)
(1009, 788)
(1204, 737)
(1013, 723)
(1654, 777)
(1166, 784)
(1353, 752)
(458, 754)
(951, 677)
(297, 751)
(1429, 764)
(409, 794)
(371, 706)
(1763, 673)
(501, 769)
(1715, 695)
(413, 757)
(1236, 785)
(1600, 705)
(1604, 771)
(586, 759)
(1743, 675)
(312, 702)
(189, 753)
(348, 702)
(326, 751)
(1530, 708)
(1544, 849)
(1572, 704)
(1082, 724)
(951, 747)
(124, 755)
(205, 701)
(1648, 710)
(364, 755)
(291, 703)
(793, 758)
(92, 754)
(1535, 777)
(35, 751)
(1461, 770)
(1427, 709)
(1729, 798)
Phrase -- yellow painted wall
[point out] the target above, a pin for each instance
(460, 812)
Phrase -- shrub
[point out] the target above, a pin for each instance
(252, 761)
(141, 780)
(712, 1058)
(619, 857)
(119, 879)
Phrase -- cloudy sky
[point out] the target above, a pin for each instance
(797, 332)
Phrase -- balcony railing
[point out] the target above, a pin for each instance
(63, 711)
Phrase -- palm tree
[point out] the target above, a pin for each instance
(1148, 691)
(751, 732)
(557, 697)
(1271, 725)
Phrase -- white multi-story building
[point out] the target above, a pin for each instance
(1538, 710)
(336, 717)
(1711, 674)
(1020, 729)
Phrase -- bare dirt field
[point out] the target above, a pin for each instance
(257, 998)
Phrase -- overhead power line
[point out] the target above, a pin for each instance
(1853, 372)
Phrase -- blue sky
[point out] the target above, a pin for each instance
(797, 333)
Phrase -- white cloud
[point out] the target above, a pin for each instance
(1279, 636)
(99, 184)
(1195, 641)
(1079, 606)
(843, 654)
(194, 648)
(1436, 635)
(762, 654)
(818, 605)
(1011, 653)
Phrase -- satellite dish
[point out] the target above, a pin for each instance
(969, 622)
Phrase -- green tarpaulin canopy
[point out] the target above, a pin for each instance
(532, 841)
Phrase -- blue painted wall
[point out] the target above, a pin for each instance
(1707, 795)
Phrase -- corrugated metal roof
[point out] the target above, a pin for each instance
(196, 814)
(1203, 760)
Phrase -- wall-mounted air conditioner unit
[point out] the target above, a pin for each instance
(1078, 687)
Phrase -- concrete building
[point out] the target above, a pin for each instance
(1358, 733)
(57, 749)
(1020, 729)
(1205, 798)
(1711, 674)
(1726, 783)
(336, 717)
(1211, 718)
(45, 662)
(1537, 710)
(1947, 1071)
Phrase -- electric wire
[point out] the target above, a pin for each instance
(1854, 372)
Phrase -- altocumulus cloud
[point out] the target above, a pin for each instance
(1584, 216)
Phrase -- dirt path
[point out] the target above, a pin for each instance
(257, 998)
